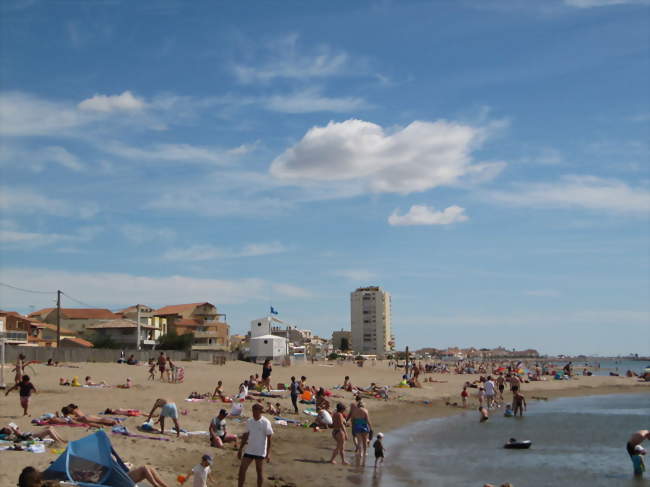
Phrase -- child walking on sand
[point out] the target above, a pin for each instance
(201, 472)
(378, 445)
(26, 389)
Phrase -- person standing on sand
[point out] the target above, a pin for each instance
(255, 445)
(26, 389)
(162, 363)
(167, 410)
(266, 374)
(339, 434)
(295, 390)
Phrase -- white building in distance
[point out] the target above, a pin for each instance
(370, 319)
(265, 345)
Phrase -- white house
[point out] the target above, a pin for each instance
(263, 344)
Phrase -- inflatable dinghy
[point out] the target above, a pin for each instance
(518, 445)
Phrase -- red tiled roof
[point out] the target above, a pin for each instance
(78, 341)
(41, 312)
(176, 309)
(12, 313)
(88, 314)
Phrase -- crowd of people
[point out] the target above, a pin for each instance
(344, 422)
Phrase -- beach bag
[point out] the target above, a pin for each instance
(90, 462)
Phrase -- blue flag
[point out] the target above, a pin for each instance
(273, 311)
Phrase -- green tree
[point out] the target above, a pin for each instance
(103, 341)
(174, 341)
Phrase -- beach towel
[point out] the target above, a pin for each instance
(310, 412)
(122, 430)
(292, 421)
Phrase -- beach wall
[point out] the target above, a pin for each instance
(43, 354)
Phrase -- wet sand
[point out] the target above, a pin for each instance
(299, 455)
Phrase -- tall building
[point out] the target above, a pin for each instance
(370, 318)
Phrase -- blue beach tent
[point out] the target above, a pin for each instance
(90, 462)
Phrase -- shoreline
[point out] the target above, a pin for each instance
(299, 456)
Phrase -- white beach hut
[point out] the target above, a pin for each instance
(263, 344)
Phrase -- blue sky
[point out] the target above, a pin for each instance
(486, 162)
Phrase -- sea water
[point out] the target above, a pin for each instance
(577, 442)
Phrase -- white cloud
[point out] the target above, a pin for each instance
(602, 3)
(23, 114)
(426, 215)
(11, 237)
(109, 103)
(312, 100)
(545, 157)
(587, 192)
(116, 290)
(359, 275)
(284, 61)
(418, 157)
(177, 152)
(197, 253)
(23, 200)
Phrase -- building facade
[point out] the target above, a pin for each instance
(370, 321)
(201, 319)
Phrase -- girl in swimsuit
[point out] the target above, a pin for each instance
(339, 433)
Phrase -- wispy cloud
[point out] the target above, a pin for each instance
(358, 275)
(283, 59)
(26, 201)
(116, 290)
(177, 152)
(586, 192)
(38, 159)
(418, 157)
(197, 253)
(13, 238)
(311, 100)
(426, 215)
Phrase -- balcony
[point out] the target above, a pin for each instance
(14, 337)
(206, 334)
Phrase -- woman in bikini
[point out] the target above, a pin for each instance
(78, 415)
(339, 433)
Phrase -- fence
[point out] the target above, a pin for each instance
(43, 354)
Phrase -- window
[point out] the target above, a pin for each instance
(266, 341)
(259, 324)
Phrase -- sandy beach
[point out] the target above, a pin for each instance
(299, 455)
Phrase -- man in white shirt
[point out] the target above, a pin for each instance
(490, 391)
(255, 445)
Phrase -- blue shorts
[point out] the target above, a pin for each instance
(169, 411)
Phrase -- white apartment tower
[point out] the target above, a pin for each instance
(370, 315)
